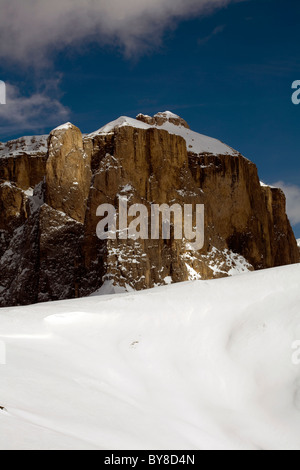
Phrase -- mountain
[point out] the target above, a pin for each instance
(198, 365)
(51, 187)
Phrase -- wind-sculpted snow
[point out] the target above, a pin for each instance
(198, 365)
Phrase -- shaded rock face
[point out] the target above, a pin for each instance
(48, 244)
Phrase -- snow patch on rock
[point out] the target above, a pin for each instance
(33, 145)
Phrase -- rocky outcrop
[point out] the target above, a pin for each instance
(50, 193)
(254, 223)
(68, 172)
(161, 118)
(23, 161)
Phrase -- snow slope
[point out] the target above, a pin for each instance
(196, 143)
(198, 365)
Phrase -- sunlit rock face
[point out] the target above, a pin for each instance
(51, 187)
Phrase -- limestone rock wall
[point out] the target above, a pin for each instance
(48, 244)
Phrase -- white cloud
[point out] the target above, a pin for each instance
(30, 29)
(30, 113)
(292, 193)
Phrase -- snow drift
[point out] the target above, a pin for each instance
(198, 365)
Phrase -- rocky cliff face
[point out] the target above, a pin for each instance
(51, 187)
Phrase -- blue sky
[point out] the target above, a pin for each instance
(228, 72)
